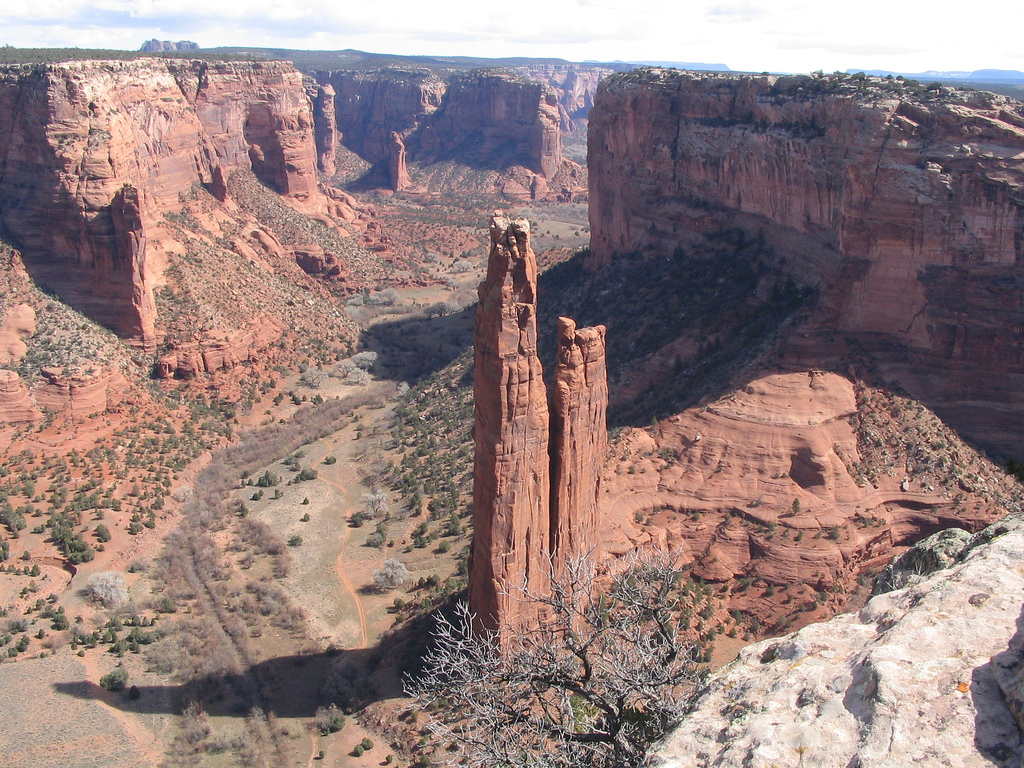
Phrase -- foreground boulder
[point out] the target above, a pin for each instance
(929, 675)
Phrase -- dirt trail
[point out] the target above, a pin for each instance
(340, 562)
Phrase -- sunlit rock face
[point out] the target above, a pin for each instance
(902, 206)
(95, 153)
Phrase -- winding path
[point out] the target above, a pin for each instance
(339, 566)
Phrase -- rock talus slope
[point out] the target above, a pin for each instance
(93, 153)
(902, 206)
(927, 675)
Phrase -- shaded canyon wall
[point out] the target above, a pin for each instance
(903, 206)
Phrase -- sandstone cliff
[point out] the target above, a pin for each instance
(484, 119)
(93, 153)
(903, 207)
(574, 86)
(926, 675)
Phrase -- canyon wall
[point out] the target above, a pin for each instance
(574, 86)
(484, 118)
(93, 153)
(904, 207)
(532, 509)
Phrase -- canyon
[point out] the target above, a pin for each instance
(486, 119)
(899, 206)
(792, 284)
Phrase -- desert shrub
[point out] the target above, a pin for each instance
(392, 574)
(365, 360)
(115, 680)
(267, 480)
(328, 719)
(295, 541)
(108, 588)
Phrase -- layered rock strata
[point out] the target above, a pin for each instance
(907, 680)
(904, 207)
(511, 484)
(523, 523)
(579, 440)
(486, 119)
(93, 153)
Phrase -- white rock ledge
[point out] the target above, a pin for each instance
(929, 675)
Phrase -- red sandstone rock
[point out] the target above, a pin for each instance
(397, 172)
(579, 441)
(18, 324)
(326, 129)
(511, 485)
(94, 153)
(82, 394)
(904, 209)
(16, 404)
(487, 119)
(574, 85)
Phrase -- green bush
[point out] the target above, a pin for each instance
(115, 680)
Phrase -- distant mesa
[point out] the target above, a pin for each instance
(159, 46)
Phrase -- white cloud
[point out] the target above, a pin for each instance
(745, 34)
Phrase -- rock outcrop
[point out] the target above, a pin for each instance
(484, 119)
(16, 324)
(92, 154)
(511, 481)
(16, 404)
(903, 207)
(532, 509)
(574, 86)
(927, 675)
(579, 440)
(779, 489)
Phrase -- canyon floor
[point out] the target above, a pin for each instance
(785, 494)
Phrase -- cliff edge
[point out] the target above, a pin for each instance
(926, 675)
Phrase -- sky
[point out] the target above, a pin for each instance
(784, 36)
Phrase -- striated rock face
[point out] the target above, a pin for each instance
(907, 680)
(904, 208)
(221, 351)
(487, 119)
(370, 106)
(579, 440)
(511, 485)
(93, 153)
(535, 483)
(494, 120)
(17, 324)
(80, 394)
(325, 122)
(16, 404)
(574, 86)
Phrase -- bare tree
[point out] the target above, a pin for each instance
(108, 588)
(605, 675)
(392, 574)
(376, 504)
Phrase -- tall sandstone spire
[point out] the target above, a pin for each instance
(535, 484)
(511, 482)
(579, 440)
